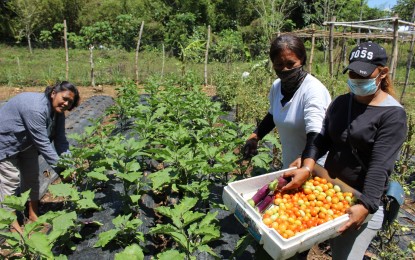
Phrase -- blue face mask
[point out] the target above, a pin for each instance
(363, 87)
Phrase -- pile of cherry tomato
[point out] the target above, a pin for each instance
(315, 203)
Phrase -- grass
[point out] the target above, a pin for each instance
(19, 68)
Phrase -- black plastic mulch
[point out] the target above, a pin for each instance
(110, 199)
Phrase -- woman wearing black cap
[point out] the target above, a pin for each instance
(373, 124)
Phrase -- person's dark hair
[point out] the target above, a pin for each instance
(63, 86)
(291, 42)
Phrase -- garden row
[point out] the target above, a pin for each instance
(146, 180)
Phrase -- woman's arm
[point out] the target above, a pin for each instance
(35, 123)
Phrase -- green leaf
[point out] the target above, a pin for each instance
(17, 203)
(133, 224)
(210, 216)
(135, 198)
(121, 220)
(105, 237)
(62, 190)
(6, 218)
(186, 204)
(172, 231)
(131, 252)
(39, 243)
(133, 166)
(60, 257)
(11, 235)
(98, 174)
(190, 216)
(62, 224)
(179, 238)
(84, 204)
(171, 255)
(160, 178)
(261, 160)
(163, 229)
(132, 177)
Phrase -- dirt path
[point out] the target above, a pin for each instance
(7, 92)
(86, 92)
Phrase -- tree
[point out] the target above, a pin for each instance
(33, 16)
(404, 9)
(124, 30)
(27, 18)
(178, 31)
(274, 14)
(6, 28)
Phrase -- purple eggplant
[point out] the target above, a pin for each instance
(263, 205)
(259, 195)
(282, 181)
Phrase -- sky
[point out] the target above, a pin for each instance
(381, 3)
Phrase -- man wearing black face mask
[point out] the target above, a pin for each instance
(298, 102)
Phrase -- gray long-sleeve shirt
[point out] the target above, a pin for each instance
(27, 119)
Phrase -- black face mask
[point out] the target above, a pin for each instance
(291, 79)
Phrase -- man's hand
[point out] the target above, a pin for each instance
(296, 163)
(357, 215)
(298, 177)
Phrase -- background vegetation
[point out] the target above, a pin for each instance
(173, 51)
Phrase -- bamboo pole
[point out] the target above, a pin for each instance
(207, 56)
(136, 51)
(394, 48)
(65, 39)
(313, 42)
(331, 46)
(91, 61)
(359, 22)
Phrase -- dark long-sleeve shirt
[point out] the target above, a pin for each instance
(376, 132)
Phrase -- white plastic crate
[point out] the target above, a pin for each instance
(235, 196)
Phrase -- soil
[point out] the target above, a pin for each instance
(85, 92)
(7, 92)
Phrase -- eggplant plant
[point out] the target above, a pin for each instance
(124, 233)
(191, 230)
(33, 243)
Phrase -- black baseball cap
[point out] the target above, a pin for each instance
(365, 58)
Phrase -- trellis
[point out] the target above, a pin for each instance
(390, 31)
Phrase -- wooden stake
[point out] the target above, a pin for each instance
(136, 51)
(65, 39)
(333, 19)
(163, 61)
(313, 40)
(207, 56)
(394, 48)
(91, 61)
